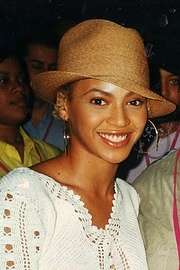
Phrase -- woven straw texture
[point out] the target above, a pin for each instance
(103, 50)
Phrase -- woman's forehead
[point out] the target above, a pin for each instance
(93, 85)
(9, 64)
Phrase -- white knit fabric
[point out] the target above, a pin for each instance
(45, 226)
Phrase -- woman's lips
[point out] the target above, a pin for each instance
(115, 139)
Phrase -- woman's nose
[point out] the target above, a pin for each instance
(17, 86)
(118, 117)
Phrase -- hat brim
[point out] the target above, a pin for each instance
(47, 84)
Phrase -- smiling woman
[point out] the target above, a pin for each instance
(113, 115)
(71, 212)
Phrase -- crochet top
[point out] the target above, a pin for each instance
(45, 226)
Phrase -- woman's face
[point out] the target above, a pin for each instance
(170, 86)
(13, 96)
(105, 120)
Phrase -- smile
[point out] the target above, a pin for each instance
(114, 139)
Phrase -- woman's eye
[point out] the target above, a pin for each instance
(174, 82)
(136, 102)
(3, 80)
(98, 101)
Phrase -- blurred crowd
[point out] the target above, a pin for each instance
(38, 53)
(30, 132)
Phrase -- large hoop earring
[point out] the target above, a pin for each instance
(148, 138)
(66, 137)
(157, 134)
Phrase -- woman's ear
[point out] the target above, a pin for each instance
(61, 106)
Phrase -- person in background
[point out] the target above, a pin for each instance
(71, 212)
(17, 149)
(165, 76)
(159, 215)
(41, 56)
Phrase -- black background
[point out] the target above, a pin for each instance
(158, 21)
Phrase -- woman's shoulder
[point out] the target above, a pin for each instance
(126, 189)
(125, 186)
(127, 195)
(23, 182)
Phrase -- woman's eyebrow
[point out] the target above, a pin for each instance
(97, 90)
(108, 94)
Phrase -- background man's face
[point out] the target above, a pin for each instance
(40, 58)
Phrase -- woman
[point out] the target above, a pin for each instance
(71, 212)
(17, 149)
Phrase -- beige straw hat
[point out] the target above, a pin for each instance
(103, 50)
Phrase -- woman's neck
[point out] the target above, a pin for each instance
(10, 134)
(85, 171)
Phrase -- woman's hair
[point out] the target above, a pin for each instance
(64, 92)
(155, 77)
(15, 54)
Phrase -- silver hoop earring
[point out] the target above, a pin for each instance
(150, 134)
(66, 137)
(156, 132)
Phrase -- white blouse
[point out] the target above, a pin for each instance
(45, 226)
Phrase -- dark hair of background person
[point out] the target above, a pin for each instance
(46, 36)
